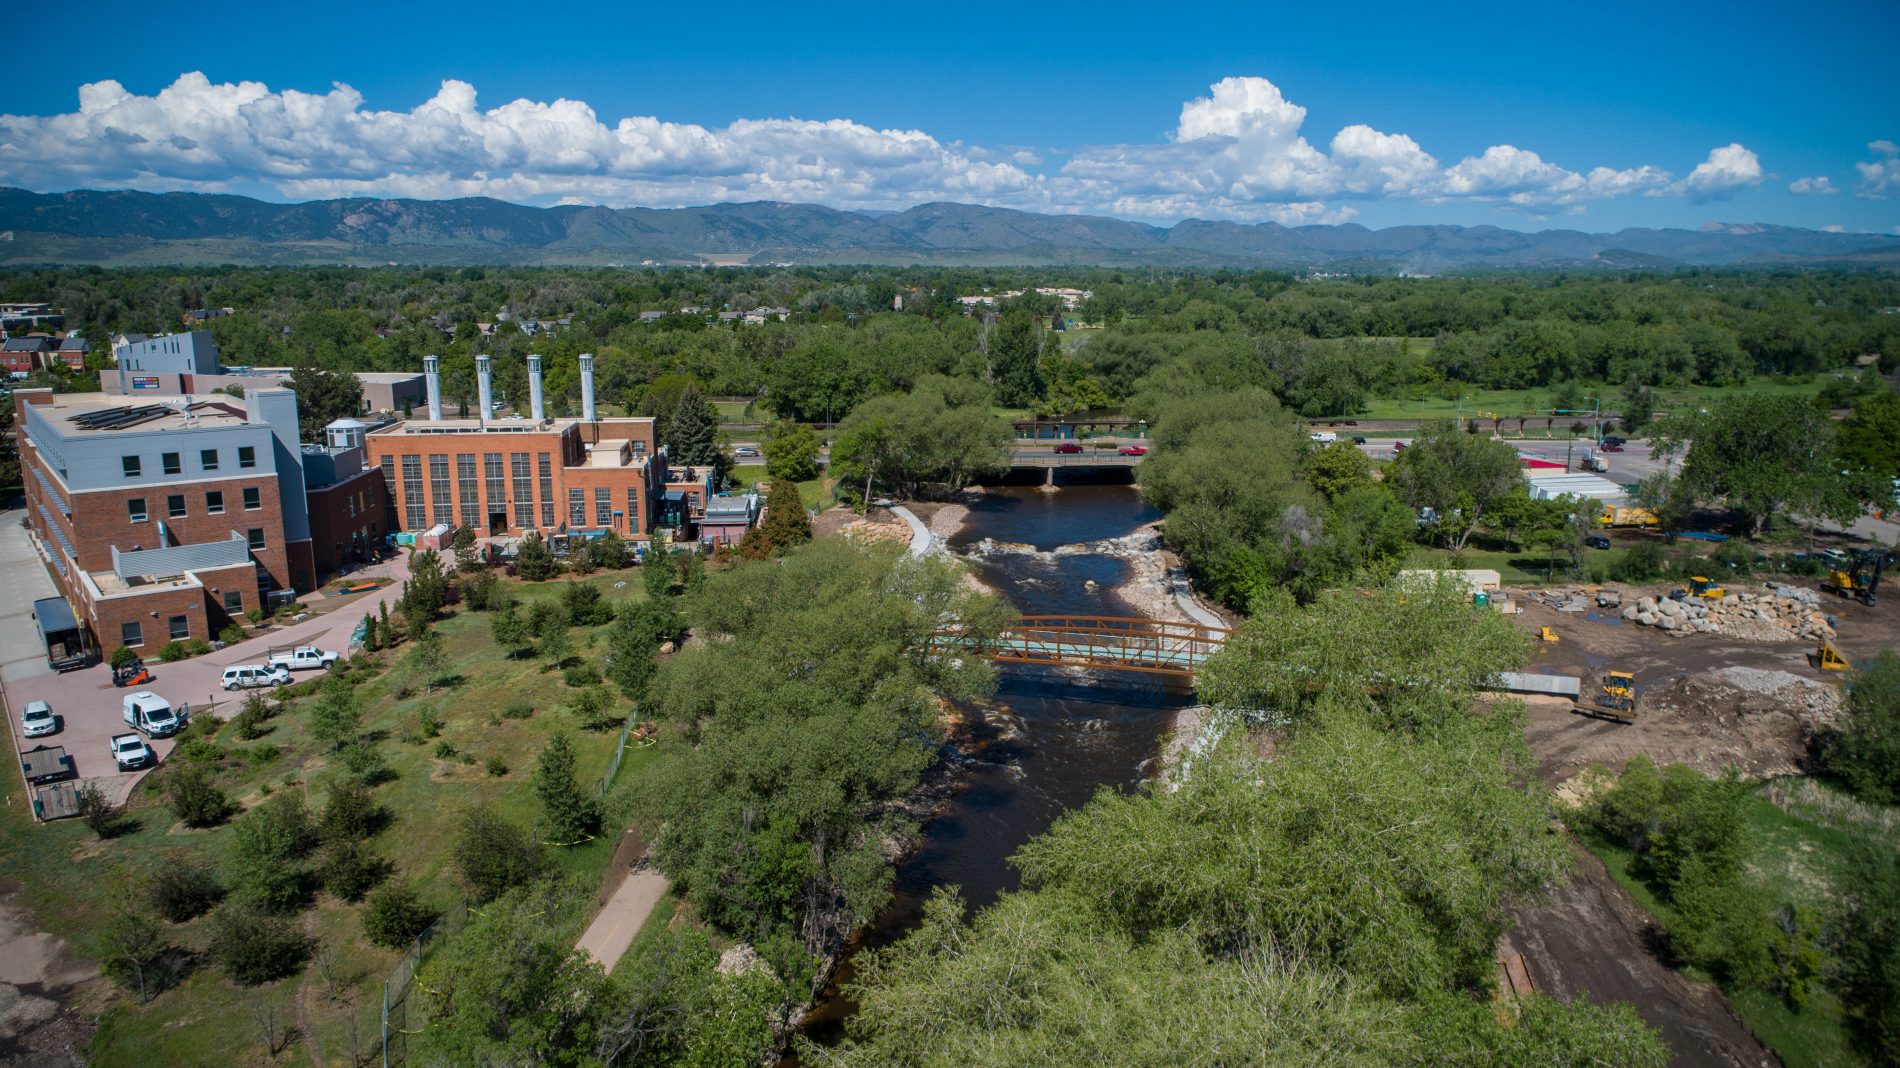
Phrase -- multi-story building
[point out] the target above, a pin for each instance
(515, 475)
(163, 521)
(186, 364)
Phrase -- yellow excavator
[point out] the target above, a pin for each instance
(1856, 575)
(1617, 699)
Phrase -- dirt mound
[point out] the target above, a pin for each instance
(1763, 722)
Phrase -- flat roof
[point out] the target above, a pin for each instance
(100, 413)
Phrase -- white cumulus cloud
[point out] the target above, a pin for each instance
(1240, 153)
(1880, 178)
(1817, 186)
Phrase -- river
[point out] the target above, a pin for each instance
(1051, 737)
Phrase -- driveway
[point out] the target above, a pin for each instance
(90, 707)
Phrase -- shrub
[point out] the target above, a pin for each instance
(172, 651)
(364, 760)
(581, 675)
(348, 870)
(255, 948)
(182, 888)
(231, 634)
(429, 720)
(198, 751)
(493, 855)
(1865, 749)
(351, 813)
(122, 656)
(250, 720)
(517, 710)
(444, 750)
(98, 812)
(497, 767)
(396, 915)
(593, 707)
(259, 755)
(255, 615)
(1642, 562)
(585, 606)
(132, 950)
(194, 797)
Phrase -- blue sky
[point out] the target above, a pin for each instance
(1525, 116)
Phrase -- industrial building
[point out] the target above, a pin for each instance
(188, 364)
(515, 475)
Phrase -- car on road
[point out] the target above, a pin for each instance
(1398, 447)
(1358, 439)
(1134, 450)
(300, 657)
(1068, 448)
(1610, 446)
(1323, 437)
(249, 676)
(1612, 439)
(1597, 541)
(745, 450)
(129, 751)
(37, 720)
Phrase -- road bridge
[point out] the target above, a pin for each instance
(1125, 643)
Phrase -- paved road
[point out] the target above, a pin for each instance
(607, 938)
(90, 707)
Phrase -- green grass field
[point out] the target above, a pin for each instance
(1798, 855)
(731, 411)
(72, 882)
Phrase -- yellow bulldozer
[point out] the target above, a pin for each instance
(1617, 699)
(1704, 587)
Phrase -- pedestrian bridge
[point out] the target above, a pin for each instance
(1121, 642)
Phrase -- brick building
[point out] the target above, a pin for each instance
(511, 476)
(164, 521)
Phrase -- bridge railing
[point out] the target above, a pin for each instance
(1121, 642)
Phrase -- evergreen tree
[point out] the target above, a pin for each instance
(658, 570)
(534, 561)
(694, 430)
(791, 453)
(510, 631)
(323, 397)
(785, 523)
(1015, 360)
(334, 717)
(567, 814)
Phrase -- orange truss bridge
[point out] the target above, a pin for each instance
(1120, 642)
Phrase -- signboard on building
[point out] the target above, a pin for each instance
(140, 382)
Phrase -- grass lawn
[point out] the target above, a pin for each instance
(73, 882)
(1526, 567)
(745, 476)
(1800, 835)
(734, 411)
(1511, 403)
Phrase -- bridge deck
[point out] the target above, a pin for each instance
(1121, 642)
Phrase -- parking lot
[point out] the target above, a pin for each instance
(90, 708)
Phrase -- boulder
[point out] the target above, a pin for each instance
(1647, 604)
(1668, 622)
(1647, 619)
(1630, 612)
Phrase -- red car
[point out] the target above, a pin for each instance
(1068, 447)
(1134, 450)
(1607, 447)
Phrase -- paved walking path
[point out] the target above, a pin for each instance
(1184, 596)
(607, 938)
(922, 542)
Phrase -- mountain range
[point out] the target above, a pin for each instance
(125, 228)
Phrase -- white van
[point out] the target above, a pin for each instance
(249, 676)
(1325, 437)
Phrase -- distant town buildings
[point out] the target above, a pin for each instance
(1071, 298)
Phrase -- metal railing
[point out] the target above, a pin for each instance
(620, 750)
(402, 977)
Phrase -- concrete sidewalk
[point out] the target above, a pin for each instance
(922, 541)
(607, 938)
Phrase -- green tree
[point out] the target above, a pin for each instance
(791, 453)
(427, 589)
(1338, 469)
(428, 659)
(132, 952)
(1870, 438)
(268, 846)
(1459, 476)
(396, 915)
(1870, 951)
(253, 947)
(493, 855)
(533, 560)
(323, 396)
(1015, 347)
(194, 796)
(510, 631)
(784, 525)
(1865, 748)
(610, 552)
(556, 647)
(693, 430)
(1763, 454)
(567, 814)
(467, 556)
(336, 713)
(657, 568)
(1639, 408)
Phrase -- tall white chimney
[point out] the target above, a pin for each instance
(534, 389)
(485, 382)
(587, 387)
(432, 370)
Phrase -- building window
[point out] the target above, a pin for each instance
(175, 505)
(209, 458)
(135, 509)
(547, 492)
(247, 456)
(524, 489)
(172, 464)
(253, 498)
(440, 489)
(256, 536)
(132, 634)
(633, 510)
(179, 627)
(214, 502)
(130, 464)
(603, 507)
(234, 602)
(576, 509)
(497, 498)
(412, 492)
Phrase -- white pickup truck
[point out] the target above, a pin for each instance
(148, 712)
(299, 657)
(130, 751)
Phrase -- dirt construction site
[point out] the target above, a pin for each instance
(1747, 691)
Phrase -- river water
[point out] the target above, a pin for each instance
(1051, 737)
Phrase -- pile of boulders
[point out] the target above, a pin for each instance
(1774, 614)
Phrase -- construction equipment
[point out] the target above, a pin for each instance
(1829, 657)
(1856, 575)
(1617, 700)
(1618, 516)
(1705, 588)
(1546, 634)
(132, 673)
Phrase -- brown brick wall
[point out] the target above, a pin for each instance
(101, 519)
(565, 450)
(347, 517)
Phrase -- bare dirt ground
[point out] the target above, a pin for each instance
(44, 1016)
(878, 525)
(1703, 699)
(1593, 941)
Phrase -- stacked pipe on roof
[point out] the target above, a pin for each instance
(587, 387)
(432, 370)
(534, 389)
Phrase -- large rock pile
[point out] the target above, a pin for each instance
(1775, 614)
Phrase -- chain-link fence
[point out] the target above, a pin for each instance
(620, 750)
(396, 1017)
